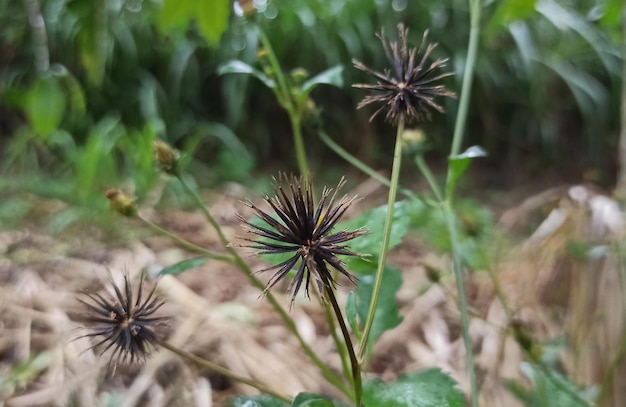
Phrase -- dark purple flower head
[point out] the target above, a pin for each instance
(125, 325)
(408, 90)
(304, 230)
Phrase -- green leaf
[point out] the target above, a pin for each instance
(44, 105)
(374, 222)
(459, 164)
(428, 388)
(212, 18)
(351, 313)
(241, 67)
(551, 389)
(257, 401)
(509, 11)
(183, 266)
(311, 400)
(387, 315)
(330, 76)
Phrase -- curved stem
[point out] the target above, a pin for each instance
(339, 344)
(223, 371)
(354, 362)
(243, 266)
(184, 243)
(384, 249)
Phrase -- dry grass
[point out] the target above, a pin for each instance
(218, 315)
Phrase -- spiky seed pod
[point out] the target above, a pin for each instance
(126, 325)
(304, 230)
(408, 90)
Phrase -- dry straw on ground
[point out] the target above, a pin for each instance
(216, 314)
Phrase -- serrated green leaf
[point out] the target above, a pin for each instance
(387, 315)
(241, 67)
(311, 400)
(374, 222)
(459, 163)
(257, 401)
(44, 105)
(183, 266)
(428, 388)
(332, 76)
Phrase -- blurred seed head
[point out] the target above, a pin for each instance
(303, 229)
(125, 324)
(408, 90)
(120, 202)
(166, 157)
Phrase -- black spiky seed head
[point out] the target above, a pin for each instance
(305, 230)
(408, 90)
(125, 324)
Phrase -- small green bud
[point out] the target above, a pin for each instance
(298, 76)
(413, 140)
(121, 203)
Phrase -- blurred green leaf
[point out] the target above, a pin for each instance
(507, 12)
(428, 388)
(387, 314)
(211, 16)
(459, 164)
(242, 67)
(256, 401)
(551, 389)
(183, 266)
(44, 105)
(23, 373)
(311, 400)
(332, 76)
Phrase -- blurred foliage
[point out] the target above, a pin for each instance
(83, 95)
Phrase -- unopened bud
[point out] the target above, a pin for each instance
(120, 202)
(166, 157)
(413, 140)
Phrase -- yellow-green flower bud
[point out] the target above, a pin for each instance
(121, 203)
(166, 157)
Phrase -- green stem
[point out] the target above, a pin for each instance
(360, 165)
(241, 264)
(461, 119)
(384, 249)
(298, 142)
(468, 75)
(463, 307)
(184, 243)
(421, 164)
(223, 371)
(283, 89)
(340, 345)
(353, 160)
(354, 362)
